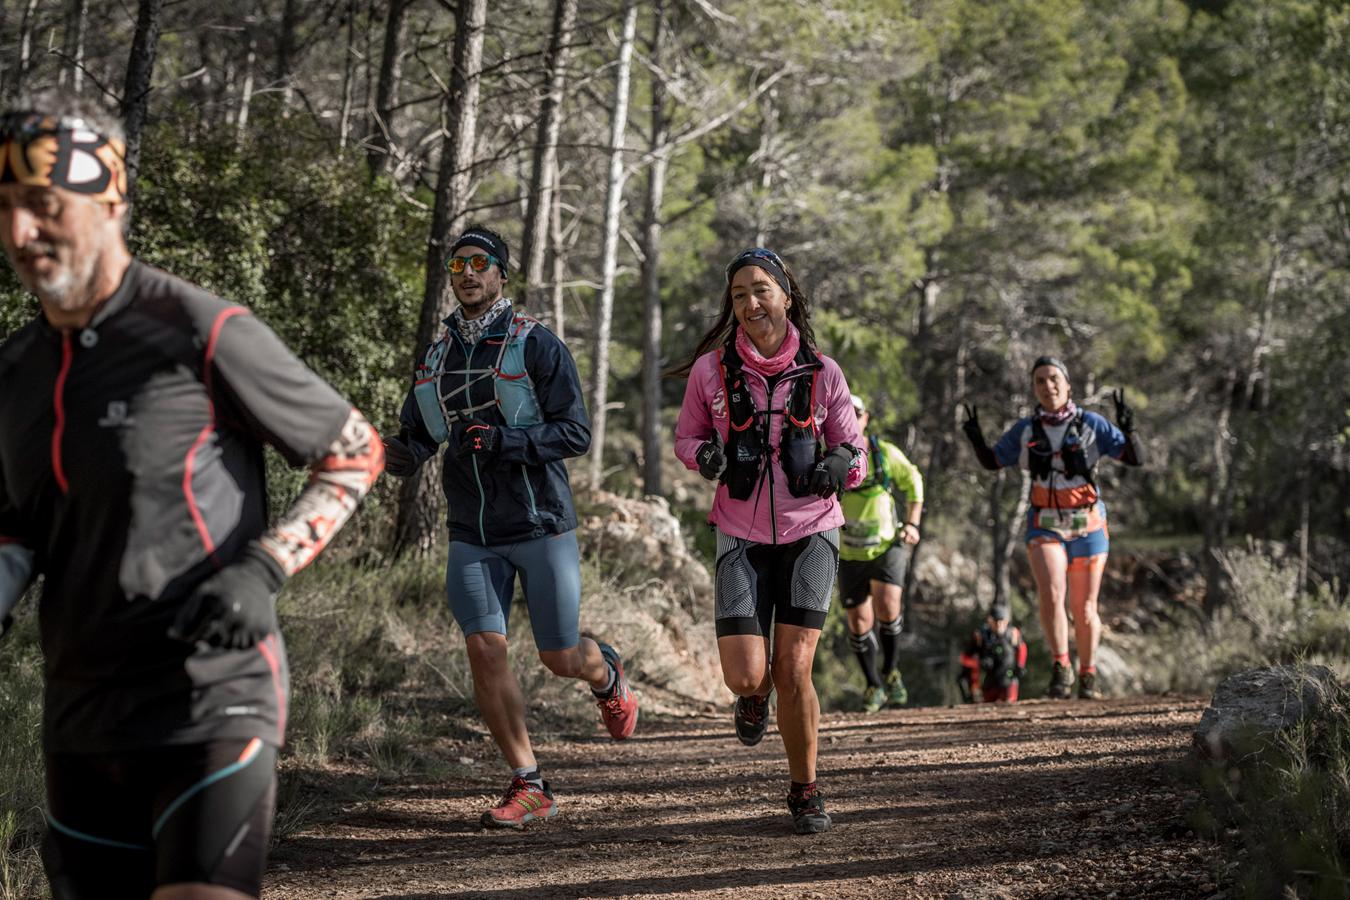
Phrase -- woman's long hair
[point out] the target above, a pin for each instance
(799, 314)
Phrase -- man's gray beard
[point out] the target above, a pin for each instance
(70, 289)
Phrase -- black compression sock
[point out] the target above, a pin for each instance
(531, 775)
(890, 644)
(865, 648)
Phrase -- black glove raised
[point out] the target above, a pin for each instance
(478, 439)
(971, 426)
(235, 607)
(827, 479)
(1124, 415)
(398, 459)
(712, 461)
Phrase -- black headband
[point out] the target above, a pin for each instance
(1049, 361)
(484, 241)
(765, 259)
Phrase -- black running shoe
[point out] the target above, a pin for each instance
(752, 718)
(1061, 683)
(808, 813)
(1087, 686)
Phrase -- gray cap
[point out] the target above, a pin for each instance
(1000, 610)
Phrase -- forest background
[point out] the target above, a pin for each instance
(1156, 191)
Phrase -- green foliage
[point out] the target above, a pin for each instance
(21, 772)
(1288, 797)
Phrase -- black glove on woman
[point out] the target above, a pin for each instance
(971, 426)
(1124, 415)
(828, 477)
(712, 460)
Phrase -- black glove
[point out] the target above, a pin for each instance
(971, 426)
(1124, 415)
(712, 461)
(235, 607)
(478, 439)
(398, 459)
(827, 479)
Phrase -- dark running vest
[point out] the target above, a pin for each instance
(1040, 452)
(748, 438)
(1003, 650)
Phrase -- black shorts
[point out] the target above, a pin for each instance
(122, 824)
(856, 576)
(759, 584)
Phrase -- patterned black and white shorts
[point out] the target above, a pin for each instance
(759, 584)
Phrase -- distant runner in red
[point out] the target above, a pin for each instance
(134, 409)
(995, 659)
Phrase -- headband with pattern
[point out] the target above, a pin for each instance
(64, 152)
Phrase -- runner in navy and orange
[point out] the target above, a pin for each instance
(1066, 524)
(502, 393)
(133, 414)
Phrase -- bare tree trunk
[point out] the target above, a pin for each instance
(419, 503)
(652, 450)
(72, 68)
(386, 92)
(290, 20)
(246, 91)
(539, 203)
(136, 90)
(555, 240)
(1221, 491)
(25, 44)
(610, 256)
(348, 77)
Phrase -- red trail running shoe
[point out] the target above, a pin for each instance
(619, 709)
(523, 802)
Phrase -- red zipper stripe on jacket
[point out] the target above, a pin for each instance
(59, 407)
(268, 651)
(190, 460)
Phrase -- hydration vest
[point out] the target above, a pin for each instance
(1040, 452)
(1003, 650)
(747, 447)
(513, 389)
(869, 511)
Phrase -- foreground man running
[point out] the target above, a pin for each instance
(133, 413)
(502, 393)
(1067, 541)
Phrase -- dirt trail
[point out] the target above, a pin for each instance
(1037, 800)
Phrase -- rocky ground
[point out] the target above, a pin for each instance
(1040, 799)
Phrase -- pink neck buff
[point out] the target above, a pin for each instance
(770, 365)
(1059, 416)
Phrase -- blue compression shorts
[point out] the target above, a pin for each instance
(1082, 547)
(480, 583)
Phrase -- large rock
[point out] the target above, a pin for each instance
(1253, 706)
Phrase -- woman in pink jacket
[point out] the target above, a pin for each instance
(769, 418)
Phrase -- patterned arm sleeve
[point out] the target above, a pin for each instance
(337, 482)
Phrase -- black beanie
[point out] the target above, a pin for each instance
(1050, 361)
(485, 239)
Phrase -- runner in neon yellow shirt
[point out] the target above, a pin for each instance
(872, 562)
